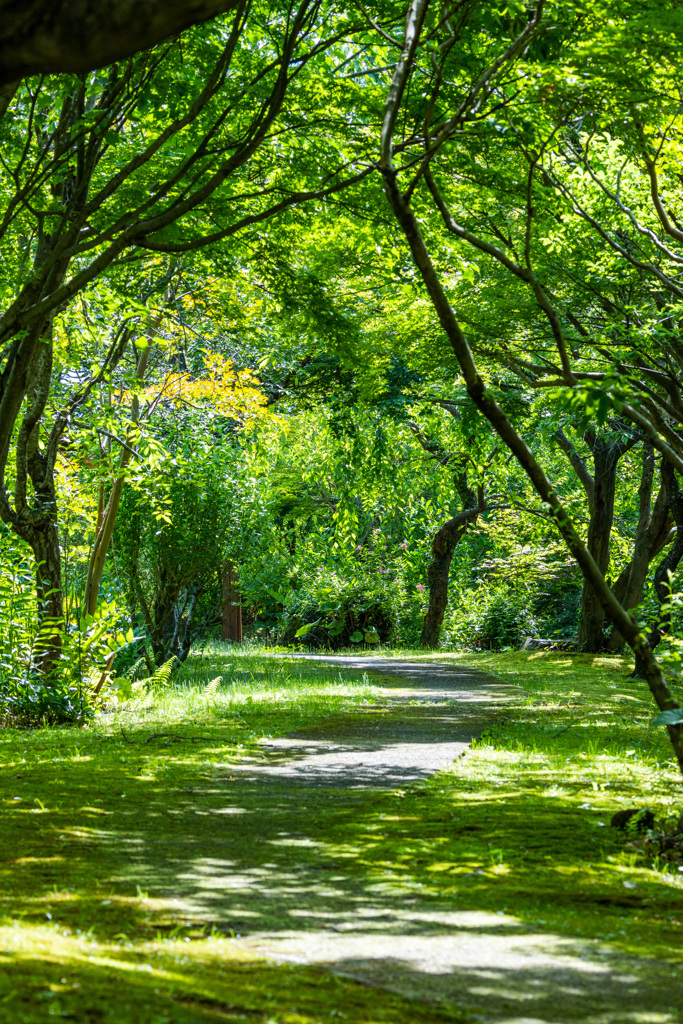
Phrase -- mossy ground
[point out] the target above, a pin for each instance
(528, 810)
(131, 857)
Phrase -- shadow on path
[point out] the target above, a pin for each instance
(430, 715)
(299, 901)
(286, 851)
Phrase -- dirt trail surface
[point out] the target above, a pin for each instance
(273, 877)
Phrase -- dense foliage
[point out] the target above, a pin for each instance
(377, 308)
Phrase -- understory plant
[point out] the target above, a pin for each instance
(78, 680)
(489, 619)
(77, 676)
(367, 596)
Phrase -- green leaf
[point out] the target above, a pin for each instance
(356, 637)
(673, 717)
(372, 638)
(604, 407)
(125, 690)
(305, 630)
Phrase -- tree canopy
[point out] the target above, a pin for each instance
(362, 301)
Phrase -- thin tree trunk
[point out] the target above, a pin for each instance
(171, 626)
(662, 580)
(107, 519)
(35, 518)
(591, 634)
(232, 605)
(448, 537)
(653, 533)
(600, 488)
(44, 543)
(101, 546)
(443, 545)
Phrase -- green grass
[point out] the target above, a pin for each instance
(536, 796)
(105, 832)
(93, 817)
(252, 695)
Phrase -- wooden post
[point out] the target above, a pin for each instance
(232, 605)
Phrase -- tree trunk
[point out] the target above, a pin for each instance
(600, 491)
(44, 541)
(443, 545)
(103, 535)
(662, 580)
(447, 538)
(35, 517)
(653, 533)
(172, 623)
(105, 525)
(591, 638)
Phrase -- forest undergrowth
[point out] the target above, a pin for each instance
(103, 825)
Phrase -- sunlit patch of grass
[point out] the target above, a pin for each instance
(106, 831)
(251, 695)
(513, 833)
(97, 823)
(188, 978)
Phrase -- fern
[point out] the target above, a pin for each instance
(212, 686)
(131, 673)
(161, 675)
(141, 691)
(141, 699)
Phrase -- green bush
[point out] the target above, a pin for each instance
(364, 599)
(488, 619)
(506, 621)
(28, 698)
(32, 703)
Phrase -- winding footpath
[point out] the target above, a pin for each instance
(298, 904)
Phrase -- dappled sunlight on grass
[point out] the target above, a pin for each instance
(108, 835)
(546, 856)
(135, 855)
(247, 692)
(46, 973)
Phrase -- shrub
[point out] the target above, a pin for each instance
(490, 619)
(506, 621)
(335, 608)
(32, 703)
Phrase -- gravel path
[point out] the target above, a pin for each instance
(297, 903)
